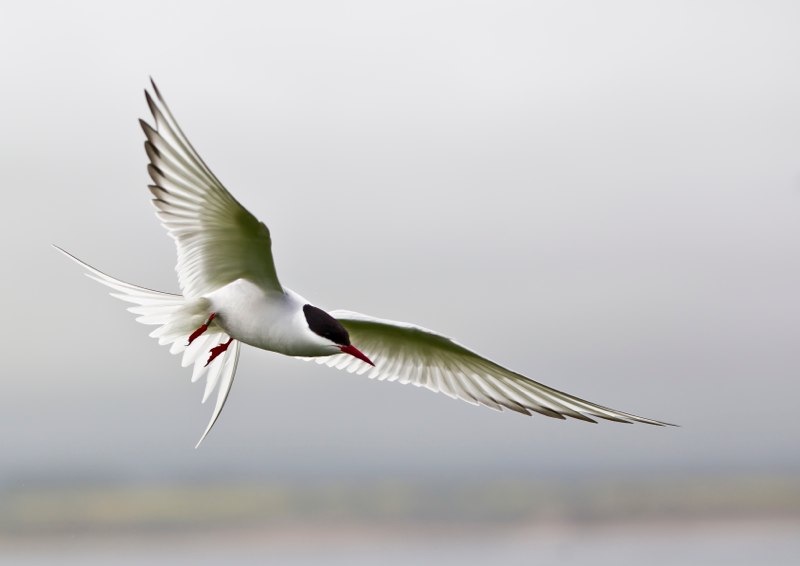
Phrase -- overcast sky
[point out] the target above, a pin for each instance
(602, 196)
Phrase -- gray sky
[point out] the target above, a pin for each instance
(603, 196)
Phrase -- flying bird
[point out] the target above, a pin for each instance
(231, 295)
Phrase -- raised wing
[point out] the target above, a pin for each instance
(411, 354)
(176, 317)
(218, 240)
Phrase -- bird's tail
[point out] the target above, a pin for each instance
(177, 317)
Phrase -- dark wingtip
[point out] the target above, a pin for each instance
(150, 103)
(654, 422)
(154, 172)
(151, 150)
(583, 418)
(157, 191)
(155, 89)
(146, 128)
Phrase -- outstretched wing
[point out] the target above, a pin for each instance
(218, 240)
(176, 318)
(411, 354)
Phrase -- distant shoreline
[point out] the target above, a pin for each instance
(176, 509)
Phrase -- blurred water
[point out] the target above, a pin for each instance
(731, 543)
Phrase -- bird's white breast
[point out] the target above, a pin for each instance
(265, 319)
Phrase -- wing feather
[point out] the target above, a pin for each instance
(218, 240)
(411, 354)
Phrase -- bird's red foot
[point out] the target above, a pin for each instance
(203, 327)
(217, 350)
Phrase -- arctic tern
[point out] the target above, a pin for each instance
(231, 295)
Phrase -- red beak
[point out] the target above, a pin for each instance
(355, 352)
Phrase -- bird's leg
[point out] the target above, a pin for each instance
(217, 350)
(203, 327)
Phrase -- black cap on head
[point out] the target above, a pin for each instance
(323, 324)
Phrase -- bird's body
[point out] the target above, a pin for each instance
(231, 295)
(267, 320)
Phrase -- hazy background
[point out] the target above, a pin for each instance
(603, 196)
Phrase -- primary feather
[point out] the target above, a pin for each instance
(408, 353)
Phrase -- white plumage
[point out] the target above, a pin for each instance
(231, 295)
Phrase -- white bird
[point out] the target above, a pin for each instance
(232, 296)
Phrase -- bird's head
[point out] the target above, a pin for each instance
(331, 330)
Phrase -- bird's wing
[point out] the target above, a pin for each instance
(218, 240)
(176, 318)
(411, 354)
